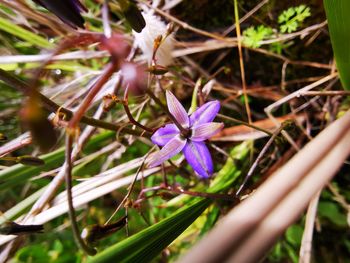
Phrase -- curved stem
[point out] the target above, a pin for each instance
(89, 250)
(128, 113)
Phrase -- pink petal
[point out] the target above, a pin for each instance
(172, 148)
(163, 135)
(204, 131)
(177, 110)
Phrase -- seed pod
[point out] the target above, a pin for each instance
(12, 228)
(157, 42)
(35, 120)
(157, 69)
(93, 233)
(170, 28)
(30, 160)
(2, 137)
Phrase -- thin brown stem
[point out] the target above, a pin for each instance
(71, 211)
(234, 120)
(130, 188)
(327, 93)
(178, 190)
(130, 117)
(257, 160)
(244, 85)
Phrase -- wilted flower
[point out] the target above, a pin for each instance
(200, 128)
(67, 10)
(145, 40)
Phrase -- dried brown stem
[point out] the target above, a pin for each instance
(71, 211)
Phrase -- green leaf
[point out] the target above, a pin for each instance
(292, 18)
(338, 17)
(147, 244)
(294, 235)
(253, 36)
(330, 211)
(24, 34)
(35, 253)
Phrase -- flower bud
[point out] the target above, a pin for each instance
(35, 120)
(2, 137)
(157, 69)
(157, 42)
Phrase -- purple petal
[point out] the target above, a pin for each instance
(172, 148)
(163, 135)
(205, 131)
(177, 110)
(206, 113)
(198, 156)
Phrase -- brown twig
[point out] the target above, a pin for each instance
(257, 160)
(71, 211)
(130, 117)
(241, 63)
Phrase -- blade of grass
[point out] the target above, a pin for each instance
(24, 34)
(147, 244)
(337, 12)
(20, 173)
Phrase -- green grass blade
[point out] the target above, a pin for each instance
(147, 244)
(338, 17)
(24, 34)
(11, 176)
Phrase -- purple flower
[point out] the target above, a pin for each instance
(199, 127)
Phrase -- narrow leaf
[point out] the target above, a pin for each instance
(337, 12)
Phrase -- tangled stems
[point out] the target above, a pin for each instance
(51, 106)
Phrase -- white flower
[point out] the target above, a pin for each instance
(145, 40)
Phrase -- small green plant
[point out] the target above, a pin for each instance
(289, 21)
(292, 18)
(254, 35)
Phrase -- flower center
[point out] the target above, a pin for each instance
(186, 133)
